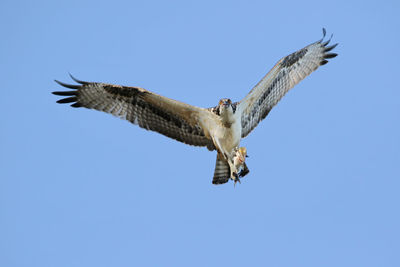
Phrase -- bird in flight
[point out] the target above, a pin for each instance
(218, 128)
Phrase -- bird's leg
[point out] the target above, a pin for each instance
(234, 172)
(237, 179)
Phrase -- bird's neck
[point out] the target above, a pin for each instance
(227, 118)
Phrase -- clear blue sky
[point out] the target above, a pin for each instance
(82, 188)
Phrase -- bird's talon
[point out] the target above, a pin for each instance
(236, 180)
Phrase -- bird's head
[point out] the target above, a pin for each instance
(224, 105)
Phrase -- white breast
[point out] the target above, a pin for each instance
(227, 138)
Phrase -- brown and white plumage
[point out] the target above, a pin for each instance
(150, 111)
(288, 72)
(222, 171)
(220, 128)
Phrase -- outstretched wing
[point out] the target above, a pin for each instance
(280, 79)
(150, 111)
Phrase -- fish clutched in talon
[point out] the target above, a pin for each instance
(240, 167)
(239, 161)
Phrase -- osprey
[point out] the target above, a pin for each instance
(219, 128)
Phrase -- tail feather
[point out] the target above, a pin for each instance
(222, 171)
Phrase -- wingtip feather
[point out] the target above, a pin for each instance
(327, 41)
(323, 35)
(71, 86)
(77, 80)
(67, 100)
(76, 105)
(64, 93)
(329, 48)
(330, 55)
(323, 62)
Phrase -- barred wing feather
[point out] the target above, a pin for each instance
(150, 111)
(288, 72)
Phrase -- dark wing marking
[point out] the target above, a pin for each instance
(280, 79)
(150, 111)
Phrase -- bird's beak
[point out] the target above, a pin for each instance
(247, 156)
